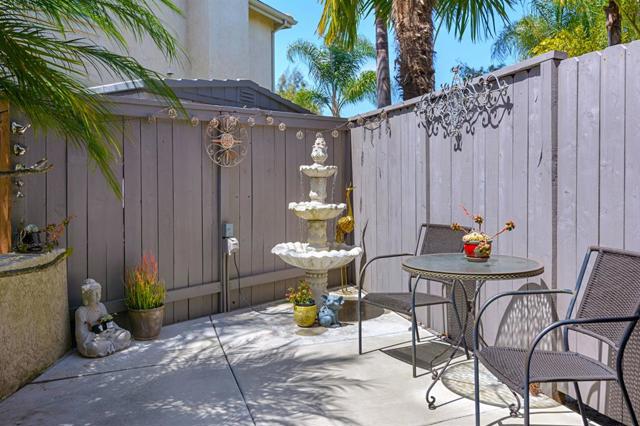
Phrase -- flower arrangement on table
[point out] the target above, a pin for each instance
(477, 244)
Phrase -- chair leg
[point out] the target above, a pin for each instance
(476, 388)
(414, 331)
(581, 407)
(359, 313)
(627, 401)
(527, 414)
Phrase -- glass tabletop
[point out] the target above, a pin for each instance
(456, 266)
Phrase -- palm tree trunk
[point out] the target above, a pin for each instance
(383, 92)
(413, 20)
(614, 24)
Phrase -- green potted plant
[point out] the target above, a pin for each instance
(304, 307)
(145, 295)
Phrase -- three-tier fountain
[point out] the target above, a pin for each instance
(317, 256)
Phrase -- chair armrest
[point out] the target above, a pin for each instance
(509, 293)
(566, 322)
(382, 256)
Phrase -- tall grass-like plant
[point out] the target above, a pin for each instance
(143, 288)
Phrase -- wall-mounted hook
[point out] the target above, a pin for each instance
(19, 150)
(19, 129)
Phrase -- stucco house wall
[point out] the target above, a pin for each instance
(219, 39)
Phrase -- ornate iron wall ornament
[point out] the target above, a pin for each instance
(228, 143)
(460, 103)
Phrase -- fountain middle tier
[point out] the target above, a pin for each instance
(315, 210)
(309, 258)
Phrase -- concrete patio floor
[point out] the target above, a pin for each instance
(251, 367)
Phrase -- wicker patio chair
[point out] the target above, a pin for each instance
(432, 238)
(608, 311)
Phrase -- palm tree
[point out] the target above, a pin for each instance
(336, 72)
(43, 62)
(573, 26)
(413, 21)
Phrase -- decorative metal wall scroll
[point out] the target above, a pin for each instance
(460, 104)
(228, 144)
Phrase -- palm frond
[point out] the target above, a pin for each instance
(363, 87)
(477, 16)
(42, 64)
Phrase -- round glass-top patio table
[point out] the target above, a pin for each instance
(455, 268)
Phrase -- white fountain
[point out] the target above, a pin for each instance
(317, 256)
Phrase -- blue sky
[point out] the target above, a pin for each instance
(449, 51)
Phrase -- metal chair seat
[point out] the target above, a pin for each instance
(402, 302)
(508, 365)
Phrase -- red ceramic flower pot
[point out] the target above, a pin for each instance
(473, 254)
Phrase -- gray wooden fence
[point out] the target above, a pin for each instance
(175, 200)
(560, 157)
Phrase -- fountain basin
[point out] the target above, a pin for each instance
(318, 170)
(314, 210)
(303, 256)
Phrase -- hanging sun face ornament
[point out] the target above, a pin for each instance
(228, 141)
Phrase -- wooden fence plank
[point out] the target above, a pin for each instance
(132, 193)
(632, 153)
(612, 136)
(587, 221)
(77, 183)
(567, 173)
(166, 231)
(149, 186)
(56, 198)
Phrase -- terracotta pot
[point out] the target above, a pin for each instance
(472, 254)
(304, 316)
(146, 323)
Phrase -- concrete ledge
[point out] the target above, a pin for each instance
(34, 316)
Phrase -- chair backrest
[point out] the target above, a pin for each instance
(434, 238)
(612, 290)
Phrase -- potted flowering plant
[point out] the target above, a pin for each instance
(145, 295)
(304, 307)
(477, 244)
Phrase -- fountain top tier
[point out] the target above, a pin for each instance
(318, 174)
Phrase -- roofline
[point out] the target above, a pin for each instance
(282, 19)
(131, 85)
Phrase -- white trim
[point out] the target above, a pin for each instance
(282, 19)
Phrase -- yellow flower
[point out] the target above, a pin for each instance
(510, 225)
(478, 219)
(456, 226)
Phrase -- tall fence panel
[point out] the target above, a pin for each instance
(175, 201)
(598, 179)
(559, 156)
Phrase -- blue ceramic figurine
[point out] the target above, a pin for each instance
(328, 315)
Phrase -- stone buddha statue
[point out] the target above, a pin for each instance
(96, 334)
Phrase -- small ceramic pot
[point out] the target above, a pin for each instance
(146, 323)
(473, 254)
(304, 316)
